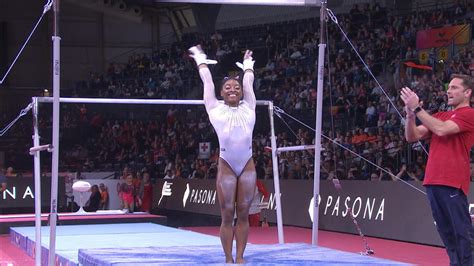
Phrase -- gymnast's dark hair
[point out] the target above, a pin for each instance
(237, 77)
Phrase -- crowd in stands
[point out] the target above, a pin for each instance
(358, 114)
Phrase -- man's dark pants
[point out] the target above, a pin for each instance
(451, 213)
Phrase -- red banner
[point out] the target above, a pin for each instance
(443, 36)
(414, 65)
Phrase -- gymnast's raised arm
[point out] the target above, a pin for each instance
(210, 100)
(247, 67)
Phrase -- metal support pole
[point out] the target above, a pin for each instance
(37, 173)
(276, 178)
(54, 168)
(319, 110)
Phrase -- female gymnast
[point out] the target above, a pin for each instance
(233, 121)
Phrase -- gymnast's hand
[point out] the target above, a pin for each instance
(248, 55)
(199, 56)
(248, 61)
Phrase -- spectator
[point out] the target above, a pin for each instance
(9, 172)
(3, 182)
(92, 205)
(146, 193)
(169, 174)
(128, 194)
(104, 197)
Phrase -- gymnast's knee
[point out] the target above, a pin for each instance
(243, 211)
(227, 216)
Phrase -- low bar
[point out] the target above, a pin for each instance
(35, 149)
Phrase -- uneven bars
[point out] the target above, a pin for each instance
(177, 102)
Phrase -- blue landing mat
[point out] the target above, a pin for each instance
(286, 254)
(71, 238)
(120, 228)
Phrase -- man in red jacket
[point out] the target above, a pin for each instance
(447, 175)
(257, 205)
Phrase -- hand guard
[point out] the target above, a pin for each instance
(200, 57)
(247, 65)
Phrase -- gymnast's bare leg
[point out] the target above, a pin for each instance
(246, 184)
(235, 194)
(226, 185)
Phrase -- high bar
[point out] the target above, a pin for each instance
(249, 2)
(131, 101)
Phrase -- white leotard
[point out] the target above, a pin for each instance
(233, 125)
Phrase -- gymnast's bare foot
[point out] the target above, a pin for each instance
(229, 260)
(239, 261)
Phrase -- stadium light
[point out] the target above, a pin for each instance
(249, 2)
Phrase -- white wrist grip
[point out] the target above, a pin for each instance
(200, 57)
(247, 65)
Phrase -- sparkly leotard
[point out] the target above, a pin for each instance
(233, 125)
